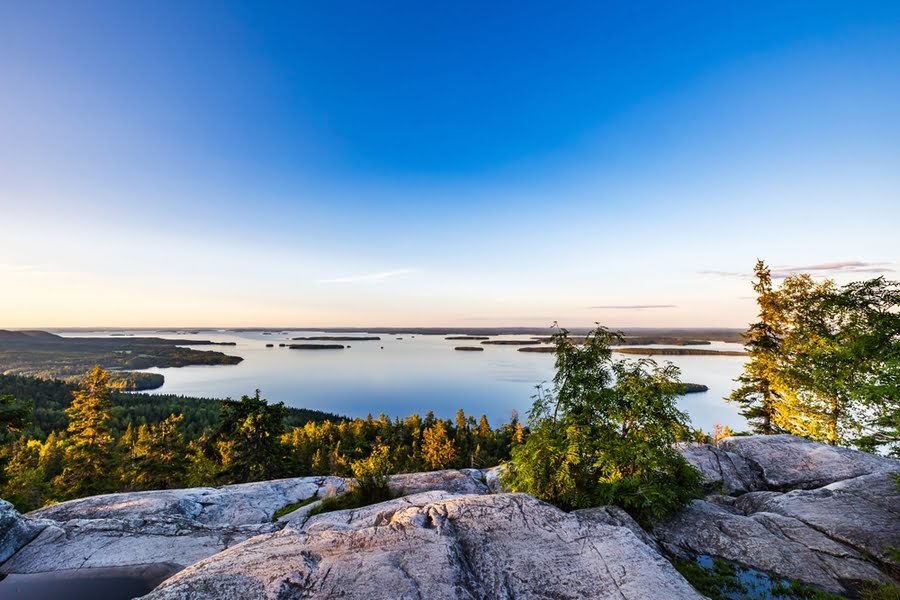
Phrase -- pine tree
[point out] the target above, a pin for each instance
(756, 392)
(88, 458)
(438, 449)
(160, 456)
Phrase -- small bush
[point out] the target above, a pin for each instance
(370, 484)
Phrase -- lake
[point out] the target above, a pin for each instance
(402, 374)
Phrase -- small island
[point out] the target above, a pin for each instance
(539, 349)
(469, 349)
(337, 338)
(512, 342)
(467, 337)
(693, 388)
(316, 347)
(679, 352)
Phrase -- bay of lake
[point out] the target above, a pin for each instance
(404, 374)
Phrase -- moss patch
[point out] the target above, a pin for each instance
(289, 508)
(355, 498)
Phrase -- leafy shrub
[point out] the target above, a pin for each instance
(604, 434)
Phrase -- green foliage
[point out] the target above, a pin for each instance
(88, 455)
(106, 441)
(155, 457)
(604, 435)
(881, 590)
(248, 439)
(763, 341)
(291, 507)
(49, 399)
(825, 361)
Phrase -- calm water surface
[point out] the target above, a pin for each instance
(413, 374)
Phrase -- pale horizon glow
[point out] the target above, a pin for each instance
(430, 166)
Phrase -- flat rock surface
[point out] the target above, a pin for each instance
(230, 505)
(769, 542)
(166, 526)
(437, 545)
(179, 527)
(787, 462)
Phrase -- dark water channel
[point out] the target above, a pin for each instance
(114, 583)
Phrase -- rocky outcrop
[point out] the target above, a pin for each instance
(437, 545)
(808, 511)
(722, 470)
(788, 463)
(768, 542)
(16, 530)
(863, 512)
(179, 527)
(825, 516)
(466, 481)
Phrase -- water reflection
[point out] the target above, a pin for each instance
(416, 374)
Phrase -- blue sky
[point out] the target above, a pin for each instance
(422, 163)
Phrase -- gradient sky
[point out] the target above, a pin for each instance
(439, 163)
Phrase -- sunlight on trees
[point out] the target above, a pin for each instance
(604, 434)
(825, 361)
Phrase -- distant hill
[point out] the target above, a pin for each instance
(46, 355)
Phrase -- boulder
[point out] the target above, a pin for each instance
(16, 530)
(437, 545)
(787, 462)
(723, 471)
(492, 478)
(863, 512)
(768, 542)
(466, 481)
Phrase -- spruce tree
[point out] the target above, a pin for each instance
(88, 459)
(756, 393)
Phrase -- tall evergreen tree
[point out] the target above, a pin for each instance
(88, 462)
(756, 393)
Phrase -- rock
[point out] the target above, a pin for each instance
(437, 545)
(93, 543)
(492, 478)
(613, 515)
(166, 526)
(789, 462)
(863, 512)
(768, 542)
(16, 530)
(466, 481)
(230, 505)
(723, 470)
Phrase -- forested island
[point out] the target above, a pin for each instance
(316, 346)
(50, 356)
(469, 349)
(338, 338)
(679, 352)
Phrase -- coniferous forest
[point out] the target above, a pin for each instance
(824, 363)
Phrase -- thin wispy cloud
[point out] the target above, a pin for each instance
(821, 270)
(722, 273)
(848, 266)
(8, 268)
(371, 277)
(631, 306)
